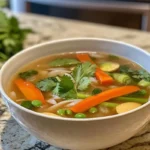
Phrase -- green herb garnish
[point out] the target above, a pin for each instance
(27, 104)
(59, 62)
(28, 74)
(11, 36)
(137, 75)
(47, 84)
(96, 91)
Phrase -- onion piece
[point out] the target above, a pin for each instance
(52, 101)
(58, 72)
(60, 104)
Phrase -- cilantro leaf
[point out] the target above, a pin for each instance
(66, 83)
(59, 62)
(137, 75)
(11, 36)
(56, 89)
(71, 94)
(65, 88)
(83, 70)
(84, 83)
(27, 74)
(47, 84)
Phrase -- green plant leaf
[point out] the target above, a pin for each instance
(84, 83)
(63, 62)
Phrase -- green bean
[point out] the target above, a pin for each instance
(93, 110)
(109, 104)
(131, 99)
(80, 115)
(61, 112)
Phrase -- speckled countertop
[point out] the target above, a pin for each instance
(12, 136)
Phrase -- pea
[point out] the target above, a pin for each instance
(27, 104)
(80, 115)
(93, 110)
(61, 112)
(36, 103)
(68, 112)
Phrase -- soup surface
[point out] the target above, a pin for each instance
(80, 85)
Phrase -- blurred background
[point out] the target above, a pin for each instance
(124, 13)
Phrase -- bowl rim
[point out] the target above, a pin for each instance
(2, 91)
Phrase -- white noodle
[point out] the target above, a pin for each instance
(60, 104)
(52, 101)
(57, 72)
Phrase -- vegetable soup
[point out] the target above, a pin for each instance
(80, 85)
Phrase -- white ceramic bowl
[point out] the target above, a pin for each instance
(85, 134)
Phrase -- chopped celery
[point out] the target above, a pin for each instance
(144, 83)
(122, 78)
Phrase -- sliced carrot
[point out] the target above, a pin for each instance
(101, 76)
(104, 96)
(84, 57)
(29, 90)
(104, 78)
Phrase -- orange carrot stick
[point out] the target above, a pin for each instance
(104, 78)
(104, 96)
(84, 57)
(29, 90)
(101, 76)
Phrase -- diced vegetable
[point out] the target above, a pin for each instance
(131, 99)
(103, 77)
(80, 115)
(61, 112)
(27, 104)
(96, 91)
(125, 107)
(29, 90)
(82, 95)
(60, 62)
(36, 103)
(109, 66)
(93, 110)
(28, 74)
(104, 96)
(84, 58)
(122, 78)
(144, 83)
(109, 104)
